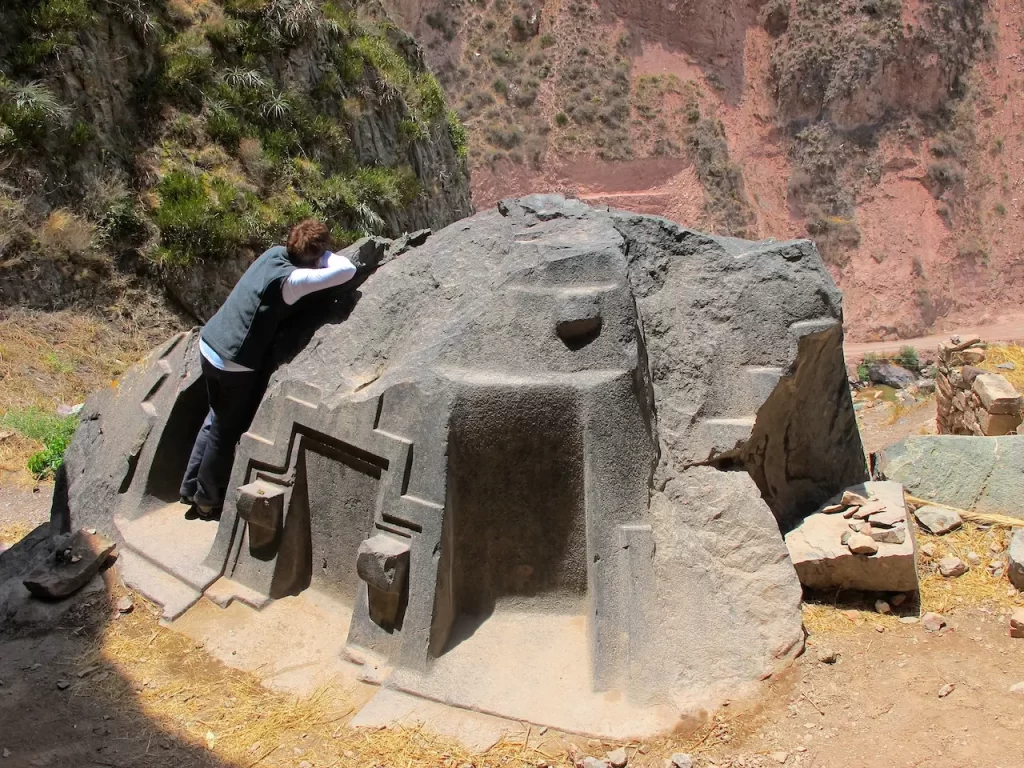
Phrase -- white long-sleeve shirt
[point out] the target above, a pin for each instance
(331, 270)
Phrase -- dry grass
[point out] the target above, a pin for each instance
(67, 233)
(53, 358)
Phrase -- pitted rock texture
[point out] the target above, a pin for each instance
(585, 426)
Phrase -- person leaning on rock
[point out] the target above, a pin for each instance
(235, 346)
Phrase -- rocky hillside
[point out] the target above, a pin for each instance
(883, 129)
(166, 142)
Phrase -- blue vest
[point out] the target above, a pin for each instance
(243, 329)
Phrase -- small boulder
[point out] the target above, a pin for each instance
(617, 759)
(828, 656)
(1016, 562)
(933, 622)
(938, 520)
(125, 605)
(952, 567)
(1017, 623)
(973, 559)
(891, 375)
(860, 544)
(882, 607)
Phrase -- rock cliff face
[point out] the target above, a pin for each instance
(155, 144)
(551, 433)
(884, 130)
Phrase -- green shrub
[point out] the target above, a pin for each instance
(29, 111)
(199, 216)
(457, 134)
(562, 119)
(908, 358)
(187, 70)
(54, 432)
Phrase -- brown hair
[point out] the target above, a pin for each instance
(307, 241)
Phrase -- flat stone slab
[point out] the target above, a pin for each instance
(822, 561)
(75, 560)
(979, 473)
(997, 394)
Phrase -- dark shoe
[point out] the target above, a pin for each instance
(196, 512)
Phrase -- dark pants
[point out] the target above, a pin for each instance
(234, 397)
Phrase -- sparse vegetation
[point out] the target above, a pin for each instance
(908, 358)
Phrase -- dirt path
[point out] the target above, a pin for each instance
(1008, 330)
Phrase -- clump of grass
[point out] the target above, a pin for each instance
(52, 431)
(908, 358)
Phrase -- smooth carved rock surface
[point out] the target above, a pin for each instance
(963, 472)
(586, 426)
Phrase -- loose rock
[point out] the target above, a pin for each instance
(125, 605)
(933, 622)
(77, 559)
(617, 759)
(896, 535)
(909, 619)
(973, 558)
(63, 684)
(682, 760)
(860, 544)
(952, 567)
(845, 538)
(1017, 623)
(780, 757)
(928, 550)
(891, 375)
(593, 762)
(882, 607)
(6, 753)
(851, 499)
(938, 520)
(1017, 688)
(1016, 557)
(945, 690)
(827, 656)
(898, 599)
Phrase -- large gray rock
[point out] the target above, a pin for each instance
(979, 473)
(891, 375)
(586, 428)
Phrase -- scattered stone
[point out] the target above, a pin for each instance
(1017, 624)
(845, 538)
(909, 619)
(952, 567)
(63, 685)
(856, 526)
(882, 607)
(831, 509)
(78, 557)
(780, 757)
(1007, 366)
(617, 759)
(928, 550)
(933, 622)
(1016, 555)
(938, 520)
(125, 605)
(896, 535)
(823, 562)
(973, 558)
(860, 544)
(681, 760)
(945, 690)
(871, 508)
(879, 628)
(995, 547)
(828, 656)
(972, 356)
(898, 599)
(888, 518)
(593, 762)
(851, 499)
(6, 753)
